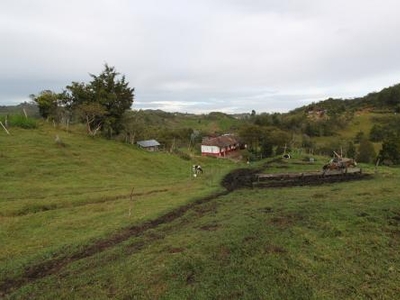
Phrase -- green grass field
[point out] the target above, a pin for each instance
(98, 219)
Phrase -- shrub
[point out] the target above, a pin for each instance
(22, 121)
(366, 152)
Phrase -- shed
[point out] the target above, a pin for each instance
(150, 145)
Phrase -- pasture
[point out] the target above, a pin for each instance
(98, 219)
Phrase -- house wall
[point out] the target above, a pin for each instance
(210, 150)
(150, 148)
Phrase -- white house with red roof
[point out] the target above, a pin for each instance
(219, 146)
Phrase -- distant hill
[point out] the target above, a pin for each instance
(30, 109)
(387, 100)
(319, 126)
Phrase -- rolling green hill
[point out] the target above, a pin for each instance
(88, 218)
(56, 197)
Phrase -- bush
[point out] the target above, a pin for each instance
(390, 151)
(366, 152)
(21, 121)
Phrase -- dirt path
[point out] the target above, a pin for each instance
(237, 179)
(54, 265)
(40, 208)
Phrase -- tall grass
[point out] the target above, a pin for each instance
(21, 121)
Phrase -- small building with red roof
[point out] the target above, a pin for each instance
(219, 146)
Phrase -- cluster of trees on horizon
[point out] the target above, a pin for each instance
(101, 103)
(104, 106)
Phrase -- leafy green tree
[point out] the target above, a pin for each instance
(359, 137)
(390, 149)
(266, 148)
(366, 152)
(134, 126)
(307, 143)
(377, 133)
(251, 135)
(92, 113)
(351, 150)
(276, 136)
(261, 139)
(103, 100)
(47, 102)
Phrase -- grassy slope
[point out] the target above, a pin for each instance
(336, 241)
(54, 199)
(222, 124)
(324, 242)
(362, 122)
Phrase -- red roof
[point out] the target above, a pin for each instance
(220, 141)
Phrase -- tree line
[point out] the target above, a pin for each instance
(100, 104)
(104, 103)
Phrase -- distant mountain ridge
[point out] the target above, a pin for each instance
(388, 99)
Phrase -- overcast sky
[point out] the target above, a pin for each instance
(203, 55)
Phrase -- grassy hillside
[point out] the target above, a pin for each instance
(362, 122)
(98, 219)
(56, 198)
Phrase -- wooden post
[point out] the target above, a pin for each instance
(131, 195)
(130, 204)
(4, 128)
(376, 165)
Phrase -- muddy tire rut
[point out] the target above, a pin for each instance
(55, 265)
(237, 179)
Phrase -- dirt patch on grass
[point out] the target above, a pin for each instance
(286, 220)
(210, 227)
(274, 249)
(37, 208)
(176, 250)
(240, 178)
(54, 265)
(223, 253)
(237, 179)
(247, 178)
(249, 239)
(266, 210)
(205, 208)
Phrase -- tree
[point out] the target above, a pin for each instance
(93, 114)
(377, 133)
(390, 149)
(266, 148)
(47, 102)
(351, 150)
(359, 137)
(134, 126)
(366, 152)
(103, 101)
(251, 135)
(261, 140)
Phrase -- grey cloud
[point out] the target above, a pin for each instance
(230, 55)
